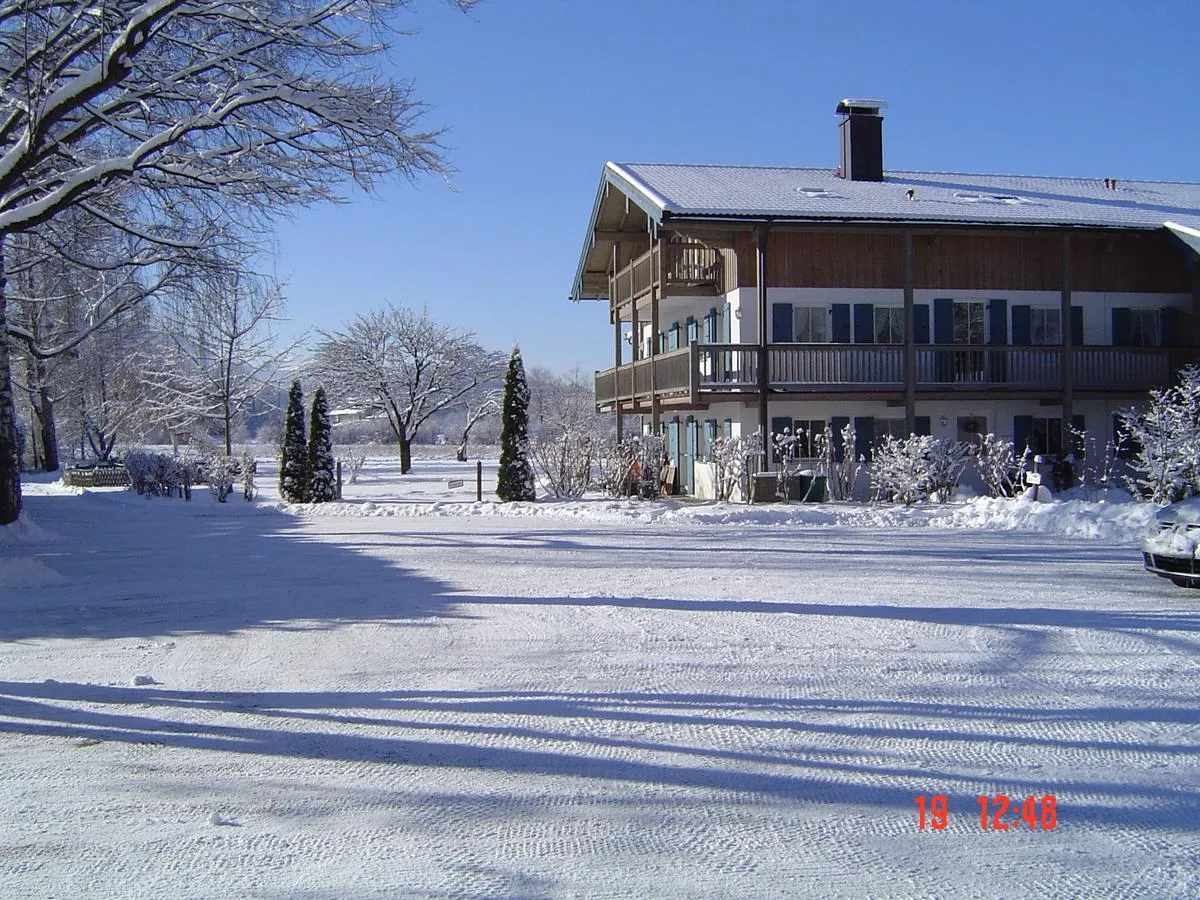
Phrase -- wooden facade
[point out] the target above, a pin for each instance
(979, 260)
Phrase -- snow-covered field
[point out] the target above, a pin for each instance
(410, 694)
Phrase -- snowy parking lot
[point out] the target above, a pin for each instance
(409, 694)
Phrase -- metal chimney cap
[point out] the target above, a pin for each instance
(869, 107)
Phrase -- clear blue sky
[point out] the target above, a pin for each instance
(537, 94)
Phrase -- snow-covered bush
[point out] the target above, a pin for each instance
(731, 463)
(249, 489)
(841, 475)
(1101, 468)
(613, 467)
(220, 471)
(153, 474)
(912, 469)
(901, 470)
(565, 463)
(947, 461)
(996, 465)
(1165, 437)
(352, 460)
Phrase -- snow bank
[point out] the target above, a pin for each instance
(1113, 522)
(24, 572)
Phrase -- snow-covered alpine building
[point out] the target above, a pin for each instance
(903, 302)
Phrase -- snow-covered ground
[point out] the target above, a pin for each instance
(411, 694)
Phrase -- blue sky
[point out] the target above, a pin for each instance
(537, 94)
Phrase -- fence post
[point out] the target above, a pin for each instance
(479, 481)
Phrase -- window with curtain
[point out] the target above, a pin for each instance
(969, 319)
(811, 324)
(1045, 326)
(889, 325)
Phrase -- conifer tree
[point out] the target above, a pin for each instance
(293, 456)
(321, 488)
(515, 480)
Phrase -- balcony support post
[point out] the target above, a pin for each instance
(655, 407)
(616, 258)
(761, 237)
(1068, 345)
(910, 348)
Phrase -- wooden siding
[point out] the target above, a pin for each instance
(976, 261)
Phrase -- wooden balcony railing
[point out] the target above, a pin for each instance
(670, 266)
(700, 372)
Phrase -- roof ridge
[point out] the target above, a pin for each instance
(901, 172)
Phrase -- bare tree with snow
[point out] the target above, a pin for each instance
(403, 364)
(221, 351)
(249, 107)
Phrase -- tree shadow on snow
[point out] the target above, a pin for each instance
(172, 568)
(570, 734)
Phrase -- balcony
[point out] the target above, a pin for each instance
(674, 268)
(703, 373)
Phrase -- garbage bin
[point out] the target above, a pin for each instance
(815, 491)
(764, 486)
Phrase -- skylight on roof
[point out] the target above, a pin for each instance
(815, 192)
(1004, 199)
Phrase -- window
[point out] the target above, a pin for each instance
(889, 325)
(811, 324)
(808, 434)
(1045, 326)
(969, 321)
(1046, 436)
(1143, 328)
(889, 428)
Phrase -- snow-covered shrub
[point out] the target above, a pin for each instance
(153, 474)
(220, 471)
(731, 463)
(841, 475)
(613, 467)
(249, 489)
(996, 466)
(1165, 436)
(352, 460)
(900, 469)
(1101, 468)
(565, 462)
(947, 461)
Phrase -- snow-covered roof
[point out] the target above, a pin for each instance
(676, 194)
(759, 192)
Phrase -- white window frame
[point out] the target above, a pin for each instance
(812, 315)
(894, 324)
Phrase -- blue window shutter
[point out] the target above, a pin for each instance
(1122, 325)
(840, 324)
(727, 429)
(782, 327)
(691, 329)
(920, 323)
(922, 426)
(864, 323)
(726, 324)
(1077, 326)
(998, 326)
(1022, 432)
(864, 436)
(673, 337)
(1171, 323)
(836, 424)
(943, 320)
(710, 327)
(710, 435)
(1022, 325)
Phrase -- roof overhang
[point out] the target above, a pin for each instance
(1189, 236)
(625, 209)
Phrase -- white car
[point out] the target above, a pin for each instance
(1170, 550)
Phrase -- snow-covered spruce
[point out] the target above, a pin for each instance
(321, 486)
(515, 478)
(293, 456)
(1165, 437)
